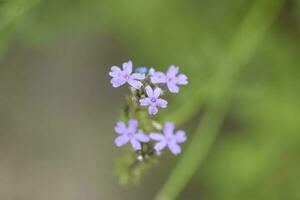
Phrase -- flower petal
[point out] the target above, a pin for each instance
(136, 145)
(182, 79)
(114, 71)
(134, 83)
(157, 92)
(161, 103)
(145, 101)
(132, 125)
(172, 71)
(158, 77)
(151, 71)
(160, 146)
(169, 129)
(174, 148)
(127, 67)
(152, 110)
(149, 91)
(138, 76)
(172, 87)
(117, 82)
(140, 136)
(120, 127)
(157, 136)
(121, 140)
(180, 136)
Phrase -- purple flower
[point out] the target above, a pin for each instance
(130, 134)
(120, 77)
(153, 100)
(170, 78)
(169, 139)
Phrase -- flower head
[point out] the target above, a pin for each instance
(153, 101)
(130, 134)
(169, 139)
(170, 78)
(125, 75)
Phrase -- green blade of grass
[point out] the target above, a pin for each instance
(246, 39)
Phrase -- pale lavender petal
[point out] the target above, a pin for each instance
(152, 110)
(120, 128)
(121, 140)
(145, 101)
(127, 67)
(157, 136)
(132, 125)
(172, 87)
(136, 145)
(118, 81)
(158, 77)
(151, 71)
(169, 129)
(114, 71)
(140, 136)
(161, 103)
(172, 71)
(180, 136)
(157, 92)
(135, 84)
(160, 146)
(149, 91)
(182, 79)
(174, 148)
(138, 76)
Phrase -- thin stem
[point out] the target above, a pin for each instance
(247, 38)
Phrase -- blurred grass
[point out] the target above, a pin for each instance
(240, 51)
(256, 155)
(11, 13)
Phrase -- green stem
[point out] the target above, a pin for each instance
(247, 38)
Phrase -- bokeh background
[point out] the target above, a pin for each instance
(58, 110)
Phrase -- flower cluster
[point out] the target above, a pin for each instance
(147, 91)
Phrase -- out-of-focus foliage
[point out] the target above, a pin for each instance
(11, 13)
(256, 155)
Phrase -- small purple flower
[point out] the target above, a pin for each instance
(153, 100)
(120, 77)
(170, 78)
(169, 139)
(130, 134)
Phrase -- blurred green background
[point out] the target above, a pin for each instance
(241, 107)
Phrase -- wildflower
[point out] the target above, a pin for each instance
(125, 75)
(153, 100)
(169, 139)
(130, 134)
(170, 78)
